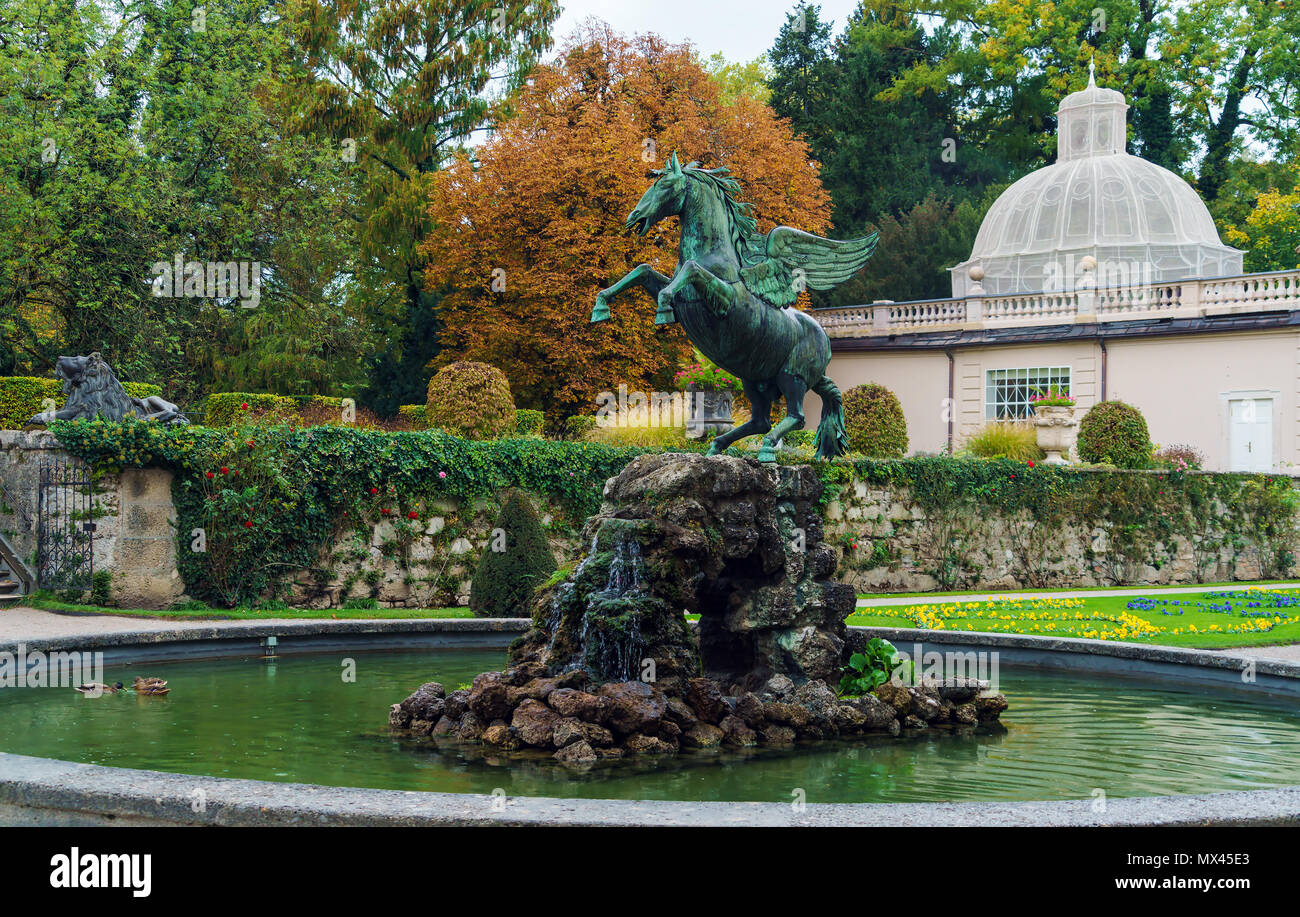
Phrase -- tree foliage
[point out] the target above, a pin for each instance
(530, 230)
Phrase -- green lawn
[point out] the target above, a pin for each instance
(1098, 589)
(1107, 617)
(1098, 616)
(199, 612)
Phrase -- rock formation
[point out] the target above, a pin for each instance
(610, 665)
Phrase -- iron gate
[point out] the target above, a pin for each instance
(65, 526)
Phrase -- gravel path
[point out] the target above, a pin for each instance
(19, 623)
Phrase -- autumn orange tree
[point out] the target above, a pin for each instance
(526, 234)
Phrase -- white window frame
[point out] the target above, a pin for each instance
(1024, 382)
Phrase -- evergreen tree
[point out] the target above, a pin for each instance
(804, 76)
(505, 578)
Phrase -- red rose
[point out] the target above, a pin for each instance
(209, 475)
(412, 515)
(250, 444)
(225, 470)
(374, 490)
(1031, 464)
(385, 510)
(244, 406)
(248, 525)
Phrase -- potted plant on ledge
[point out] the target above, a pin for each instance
(710, 394)
(1054, 423)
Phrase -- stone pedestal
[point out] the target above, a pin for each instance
(733, 540)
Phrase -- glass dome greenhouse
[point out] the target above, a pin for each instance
(1141, 222)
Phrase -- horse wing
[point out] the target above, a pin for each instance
(825, 263)
(771, 281)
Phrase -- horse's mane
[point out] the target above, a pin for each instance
(744, 229)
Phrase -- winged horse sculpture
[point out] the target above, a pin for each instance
(733, 292)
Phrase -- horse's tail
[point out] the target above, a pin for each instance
(832, 437)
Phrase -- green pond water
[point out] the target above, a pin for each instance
(296, 719)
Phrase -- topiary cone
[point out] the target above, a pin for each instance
(516, 559)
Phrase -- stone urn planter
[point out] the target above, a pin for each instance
(1056, 429)
(707, 411)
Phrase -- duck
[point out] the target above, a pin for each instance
(154, 686)
(95, 689)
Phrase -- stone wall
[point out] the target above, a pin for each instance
(133, 514)
(886, 542)
(434, 570)
(135, 540)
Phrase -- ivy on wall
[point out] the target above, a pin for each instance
(1141, 512)
(257, 503)
(268, 499)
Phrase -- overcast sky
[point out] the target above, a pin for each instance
(740, 29)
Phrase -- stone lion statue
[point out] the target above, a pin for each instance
(93, 391)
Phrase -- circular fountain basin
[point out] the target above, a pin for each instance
(1104, 735)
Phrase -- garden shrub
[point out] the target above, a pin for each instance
(579, 426)
(529, 422)
(1114, 433)
(23, 397)
(471, 400)
(875, 422)
(800, 438)
(1179, 457)
(224, 409)
(1002, 439)
(662, 439)
(414, 415)
(505, 578)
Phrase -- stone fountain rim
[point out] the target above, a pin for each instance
(51, 791)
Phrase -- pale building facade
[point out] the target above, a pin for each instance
(1101, 274)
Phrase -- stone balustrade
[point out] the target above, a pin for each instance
(1244, 293)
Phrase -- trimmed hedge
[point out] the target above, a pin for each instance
(875, 423)
(579, 426)
(1115, 433)
(223, 409)
(529, 422)
(414, 414)
(471, 399)
(23, 397)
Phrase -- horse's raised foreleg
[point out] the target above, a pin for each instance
(760, 421)
(642, 274)
(793, 388)
(712, 290)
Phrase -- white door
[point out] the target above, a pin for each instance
(1250, 434)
